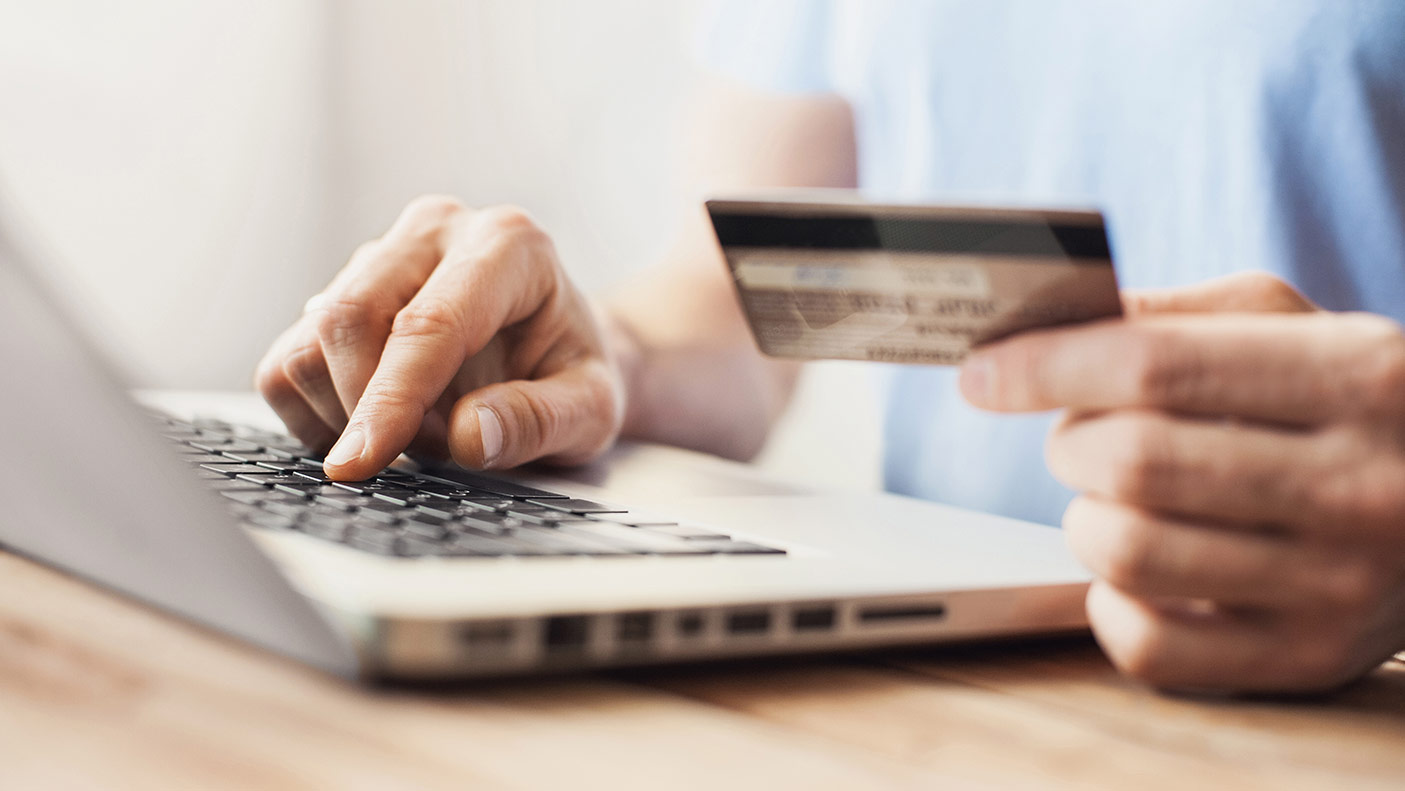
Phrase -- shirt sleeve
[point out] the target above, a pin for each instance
(771, 45)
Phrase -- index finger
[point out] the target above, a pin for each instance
(488, 280)
(1298, 369)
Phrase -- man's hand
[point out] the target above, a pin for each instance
(1242, 475)
(457, 332)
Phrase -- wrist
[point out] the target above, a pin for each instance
(626, 353)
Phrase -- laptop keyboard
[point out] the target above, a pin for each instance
(271, 482)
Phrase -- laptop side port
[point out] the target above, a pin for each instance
(895, 613)
(750, 622)
(634, 627)
(813, 619)
(566, 634)
(689, 625)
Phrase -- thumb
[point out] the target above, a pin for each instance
(566, 418)
(1242, 292)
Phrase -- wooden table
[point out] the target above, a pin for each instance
(97, 692)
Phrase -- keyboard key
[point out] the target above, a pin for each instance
(202, 457)
(293, 509)
(451, 492)
(544, 516)
(177, 435)
(576, 505)
(494, 503)
(297, 488)
(371, 540)
(338, 498)
(237, 468)
(223, 484)
(490, 521)
(249, 456)
(405, 499)
(443, 514)
(490, 485)
(282, 465)
(369, 488)
(384, 517)
(315, 477)
(250, 497)
(416, 526)
(389, 475)
(323, 527)
(216, 445)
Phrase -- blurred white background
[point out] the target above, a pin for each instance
(196, 170)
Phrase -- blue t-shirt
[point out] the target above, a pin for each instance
(1216, 136)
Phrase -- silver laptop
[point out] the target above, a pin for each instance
(650, 555)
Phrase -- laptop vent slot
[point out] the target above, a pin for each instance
(689, 625)
(633, 628)
(749, 622)
(902, 613)
(813, 619)
(566, 634)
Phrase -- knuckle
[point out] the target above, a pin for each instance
(1143, 465)
(424, 217)
(426, 318)
(270, 380)
(1060, 454)
(545, 418)
(340, 320)
(1381, 368)
(1270, 290)
(383, 401)
(431, 209)
(305, 363)
(1024, 378)
(1157, 368)
(367, 250)
(1140, 654)
(1128, 560)
(509, 219)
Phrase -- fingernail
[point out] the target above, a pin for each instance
(348, 449)
(490, 433)
(977, 376)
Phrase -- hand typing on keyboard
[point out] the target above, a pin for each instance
(455, 334)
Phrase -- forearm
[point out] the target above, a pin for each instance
(693, 375)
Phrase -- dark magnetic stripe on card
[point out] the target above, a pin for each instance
(1033, 238)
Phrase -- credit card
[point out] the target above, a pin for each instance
(848, 280)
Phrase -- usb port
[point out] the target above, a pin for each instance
(813, 619)
(752, 622)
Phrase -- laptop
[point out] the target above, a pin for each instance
(650, 555)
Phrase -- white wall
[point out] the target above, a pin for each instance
(198, 169)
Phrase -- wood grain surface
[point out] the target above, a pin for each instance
(97, 692)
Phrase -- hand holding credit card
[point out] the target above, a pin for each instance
(910, 284)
